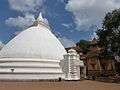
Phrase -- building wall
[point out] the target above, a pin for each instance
(97, 67)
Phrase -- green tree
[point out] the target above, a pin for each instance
(84, 45)
(109, 35)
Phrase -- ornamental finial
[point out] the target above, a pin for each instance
(40, 18)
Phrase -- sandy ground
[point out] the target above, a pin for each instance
(78, 85)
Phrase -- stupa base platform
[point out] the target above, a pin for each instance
(30, 69)
(30, 77)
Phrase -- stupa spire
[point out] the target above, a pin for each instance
(40, 18)
(41, 21)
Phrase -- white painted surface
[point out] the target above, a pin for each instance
(71, 65)
(30, 76)
(34, 42)
(29, 69)
(33, 54)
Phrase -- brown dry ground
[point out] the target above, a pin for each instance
(64, 85)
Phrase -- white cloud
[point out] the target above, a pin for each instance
(21, 22)
(94, 35)
(90, 12)
(68, 25)
(25, 5)
(28, 8)
(67, 42)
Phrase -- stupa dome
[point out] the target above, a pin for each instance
(35, 42)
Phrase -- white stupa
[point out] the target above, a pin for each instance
(34, 54)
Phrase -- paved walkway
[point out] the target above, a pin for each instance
(78, 85)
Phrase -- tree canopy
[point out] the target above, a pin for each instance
(83, 44)
(109, 34)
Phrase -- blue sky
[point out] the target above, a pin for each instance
(70, 20)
